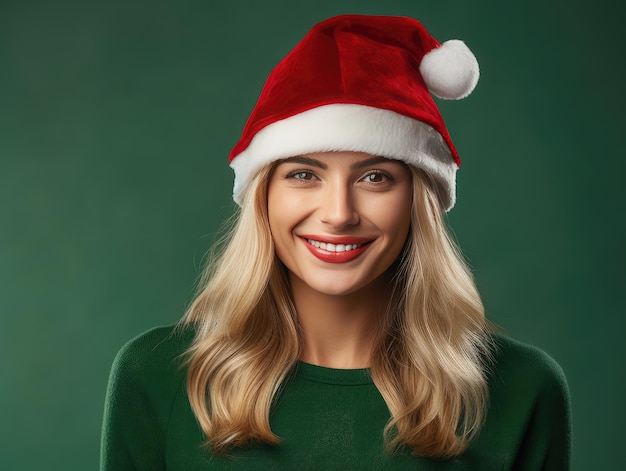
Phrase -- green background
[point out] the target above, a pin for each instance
(116, 119)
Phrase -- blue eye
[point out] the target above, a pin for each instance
(301, 175)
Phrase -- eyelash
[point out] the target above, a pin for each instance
(385, 175)
(294, 174)
(308, 173)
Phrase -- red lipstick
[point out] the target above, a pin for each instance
(324, 248)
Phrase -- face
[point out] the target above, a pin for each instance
(339, 219)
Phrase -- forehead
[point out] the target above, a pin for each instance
(340, 158)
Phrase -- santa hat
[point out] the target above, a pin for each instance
(360, 83)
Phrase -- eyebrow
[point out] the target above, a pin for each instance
(372, 161)
(316, 163)
(306, 161)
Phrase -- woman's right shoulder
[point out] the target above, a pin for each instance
(146, 382)
(153, 362)
(160, 348)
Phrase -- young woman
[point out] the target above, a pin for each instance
(339, 327)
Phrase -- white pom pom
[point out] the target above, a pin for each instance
(450, 71)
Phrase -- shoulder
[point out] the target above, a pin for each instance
(520, 363)
(529, 417)
(156, 348)
(146, 384)
(528, 387)
(152, 364)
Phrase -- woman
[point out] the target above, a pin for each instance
(339, 327)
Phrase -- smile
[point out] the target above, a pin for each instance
(340, 251)
(333, 247)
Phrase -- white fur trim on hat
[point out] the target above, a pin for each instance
(450, 70)
(348, 127)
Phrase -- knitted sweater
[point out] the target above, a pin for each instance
(326, 418)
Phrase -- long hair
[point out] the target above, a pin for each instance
(428, 362)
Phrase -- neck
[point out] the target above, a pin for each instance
(340, 331)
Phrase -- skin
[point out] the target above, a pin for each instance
(343, 198)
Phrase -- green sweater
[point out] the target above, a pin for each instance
(326, 418)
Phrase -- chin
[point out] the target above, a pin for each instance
(336, 291)
(343, 285)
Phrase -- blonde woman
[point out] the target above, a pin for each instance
(338, 327)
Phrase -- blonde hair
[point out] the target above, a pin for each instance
(428, 362)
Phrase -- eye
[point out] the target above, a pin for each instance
(302, 175)
(375, 177)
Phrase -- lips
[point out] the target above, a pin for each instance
(335, 249)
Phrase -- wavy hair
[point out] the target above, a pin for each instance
(428, 363)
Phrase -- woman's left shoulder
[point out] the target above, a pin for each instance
(528, 423)
(518, 362)
(528, 391)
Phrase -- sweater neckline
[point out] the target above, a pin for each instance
(323, 374)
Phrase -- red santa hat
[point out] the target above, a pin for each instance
(360, 83)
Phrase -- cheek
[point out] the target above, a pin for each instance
(286, 207)
(393, 212)
(275, 208)
(396, 221)
(279, 213)
(283, 216)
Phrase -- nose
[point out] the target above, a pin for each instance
(337, 206)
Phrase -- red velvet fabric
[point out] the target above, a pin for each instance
(353, 59)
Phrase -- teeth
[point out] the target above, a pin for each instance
(333, 247)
